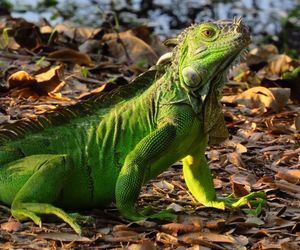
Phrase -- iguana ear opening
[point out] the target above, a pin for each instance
(192, 79)
(171, 42)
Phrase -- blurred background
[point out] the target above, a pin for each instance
(271, 21)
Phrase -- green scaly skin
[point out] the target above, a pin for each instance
(104, 149)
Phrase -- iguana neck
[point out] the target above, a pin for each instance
(170, 91)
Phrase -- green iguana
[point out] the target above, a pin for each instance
(104, 149)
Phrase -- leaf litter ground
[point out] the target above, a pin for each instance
(59, 66)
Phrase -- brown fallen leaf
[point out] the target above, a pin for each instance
(137, 50)
(261, 54)
(279, 64)
(275, 222)
(285, 186)
(27, 34)
(11, 226)
(215, 224)
(241, 185)
(261, 97)
(145, 245)
(176, 228)
(71, 56)
(78, 33)
(19, 79)
(60, 236)
(211, 237)
(166, 238)
(239, 190)
(36, 85)
(290, 175)
(235, 159)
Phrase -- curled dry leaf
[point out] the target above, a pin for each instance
(213, 155)
(239, 190)
(261, 97)
(71, 56)
(11, 226)
(166, 239)
(78, 33)
(63, 237)
(241, 185)
(145, 245)
(287, 187)
(215, 224)
(137, 49)
(175, 207)
(208, 236)
(175, 228)
(240, 148)
(279, 64)
(290, 175)
(36, 85)
(164, 185)
(235, 159)
(276, 222)
(261, 54)
(218, 184)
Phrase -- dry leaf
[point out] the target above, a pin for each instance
(211, 237)
(240, 148)
(218, 184)
(63, 237)
(71, 56)
(137, 49)
(166, 239)
(279, 64)
(235, 159)
(175, 207)
(241, 185)
(175, 228)
(261, 97)
(11, 226)
(36, 85)
(261, 54)
(290, 175)
(213, 155)
(282, 96)
(19, 79)
(164, 185)
(257, 97)
(288, 187)
(215, 224)
(145, 245)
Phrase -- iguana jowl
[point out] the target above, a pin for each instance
(104, 149)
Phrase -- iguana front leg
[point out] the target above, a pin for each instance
(199, 180)
(136, 166)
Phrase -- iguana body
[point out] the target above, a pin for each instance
(106, 148)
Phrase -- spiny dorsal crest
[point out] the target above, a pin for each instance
(63, 115)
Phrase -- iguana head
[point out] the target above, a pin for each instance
(207, 50)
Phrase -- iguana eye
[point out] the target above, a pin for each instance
(208, 33)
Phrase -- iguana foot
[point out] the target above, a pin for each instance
(25, 211)
(254, 199)
(165, 215)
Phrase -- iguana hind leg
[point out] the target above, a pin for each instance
(36, 182)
